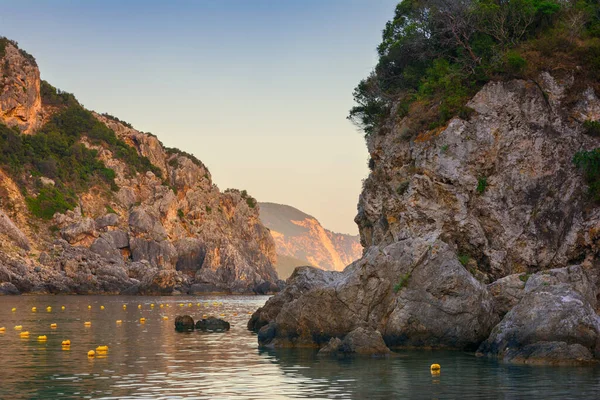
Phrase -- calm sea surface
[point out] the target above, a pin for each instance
(151, 361)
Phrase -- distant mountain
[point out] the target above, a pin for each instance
(300, 239)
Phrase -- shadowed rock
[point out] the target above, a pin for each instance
(184, 323)
(212, 324)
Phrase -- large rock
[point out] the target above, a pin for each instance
(8, 228)
(414, 292)
(508, 291)
(79, 231)
(551, 324)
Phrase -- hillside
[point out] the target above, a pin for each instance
(91, 205)
(300, 239)
(480, 216)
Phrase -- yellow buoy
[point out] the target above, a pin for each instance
(189, 304)
(14, 309)
(235, 314)
(66, 342)
(24, 334)
(161, 306)
(221, 315)
(119, 321)
(204, 316)
(435, 368)
(249, 312)
(167, 305)
(42, 338)
(89, 307)
(53, 326)
(18, 327)
(142, 320)
(102, 307)
(49, 309)
(101, 349)
(139, 306)
(152, 305)
(180, 305)
(197, 304)
(91, 353)
(87, 323)
(2, 329)
(124, 307)
(165, 318)
(33, 309)
(62, 308)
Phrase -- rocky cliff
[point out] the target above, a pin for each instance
(480, 234)
(132, 217)
(301, 237)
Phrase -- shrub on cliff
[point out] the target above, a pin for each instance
(435, 54)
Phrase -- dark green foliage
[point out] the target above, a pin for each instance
(589, 162)
(435, 54)
(52, 96)
(180, 213)
(592, 128)
(171, 150)
(402, 282)
(481, 184)
(112, 117)
(464, 259)
(208, 209)
(51, 200)
(524, 277)
(110, 210)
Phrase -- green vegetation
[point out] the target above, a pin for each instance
(589, 162)
(402, 282)
(482, 184)
(402, 187)
(180, 213)
(464, 259)
(592, 128)
(113, 118)
(435, 54)
(444, 148)
(56, 152)
(4, 42)
(208, 210)
(110, 210)
(524, 277)
(52, 96)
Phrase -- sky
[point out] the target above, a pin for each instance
(258, 90)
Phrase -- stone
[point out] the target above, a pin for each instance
(184, 323)
(79, 231)
(107, 220)
(360, 341)
(7, 288)
(507, 292)
(8, 228)
(212, 324)
(553, 323)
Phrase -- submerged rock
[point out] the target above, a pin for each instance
(212, 324)
(184, 323)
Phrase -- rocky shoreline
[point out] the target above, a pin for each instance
(507, 269)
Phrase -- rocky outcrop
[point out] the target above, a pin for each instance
(360, 341)
(20, 101)
(478, 232)
(301, 240)
(163, 231)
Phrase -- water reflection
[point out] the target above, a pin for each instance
(151, 360)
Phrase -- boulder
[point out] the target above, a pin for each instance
(184, 323)
(78, 231)
(7, 288)
(551, 324)
(107, 220)
(507, 292)
(574, 275)
(360, 341)
(212, 324)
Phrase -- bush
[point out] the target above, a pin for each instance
(481, 185)
(402, 282)
(592, 128)
(515, 64)
(589, 162)
(49, 201)
(464, 259)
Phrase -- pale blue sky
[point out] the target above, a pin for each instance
(258, 90)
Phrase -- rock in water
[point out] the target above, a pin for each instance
(184, 323)
(552, 324)
(360, 341)
(212, 324)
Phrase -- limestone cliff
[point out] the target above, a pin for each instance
(162, 226)
(454, 223)
(303, 238)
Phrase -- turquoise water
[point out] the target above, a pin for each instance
(151, 361)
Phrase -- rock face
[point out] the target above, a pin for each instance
(473, 233)
(149, 235)
(20, 101)
(301, 240)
